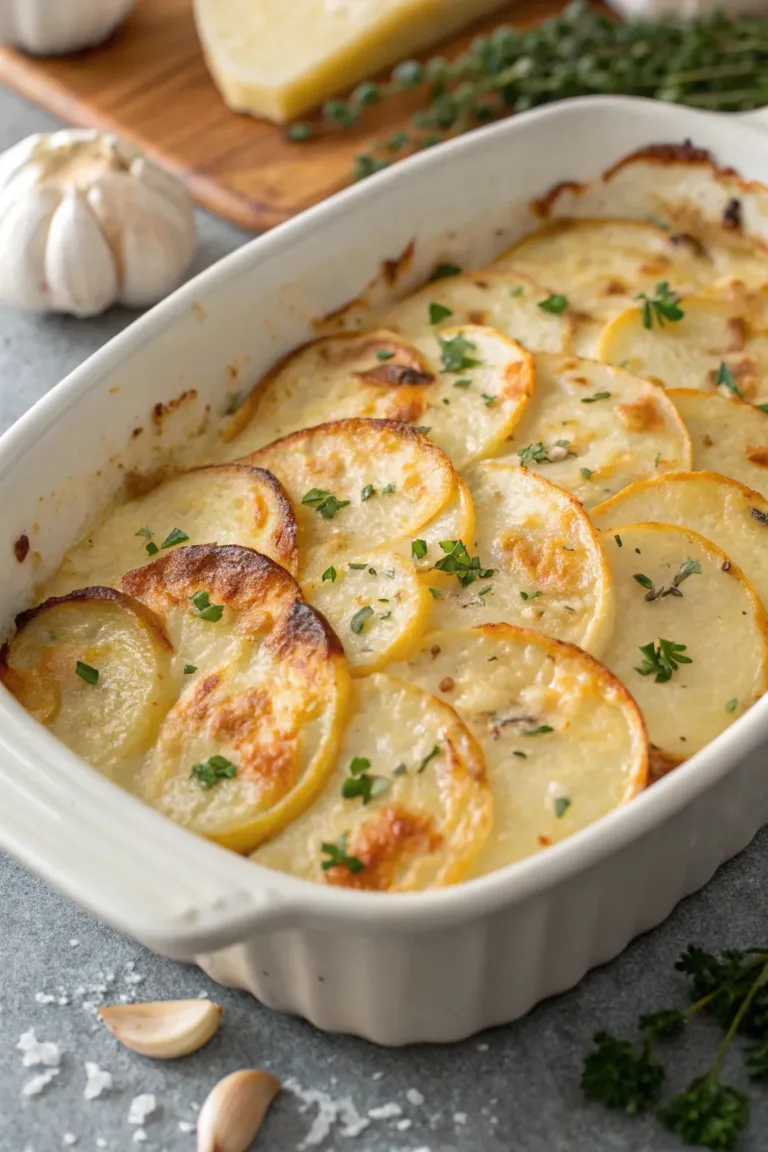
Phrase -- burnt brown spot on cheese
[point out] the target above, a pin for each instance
(136, 433)
(544, 841)
(394, 270)
(687, 240)
(615, 288)
(732, 215)
(476, 316)
(543, 206)
(140, 483)
(660, 763)
(544, 565)
(21, 548)
(738, 330)
(517, 379)
(304, 637)
(395, 374)
(758, 454)
(685, 153)
(642, 415)
(706, 440)
(385, 844)
(481, 284)
(447, 684)
(161, 411)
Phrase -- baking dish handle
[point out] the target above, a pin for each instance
(173, 891)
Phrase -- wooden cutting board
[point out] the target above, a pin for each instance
(149, 84)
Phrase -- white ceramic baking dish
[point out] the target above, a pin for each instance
(435, 966)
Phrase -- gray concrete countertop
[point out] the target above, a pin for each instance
(511, 1090)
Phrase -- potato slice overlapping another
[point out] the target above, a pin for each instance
(727, 435)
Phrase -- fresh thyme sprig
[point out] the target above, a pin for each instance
(710, 63)
(662, 307)
(708, 1113)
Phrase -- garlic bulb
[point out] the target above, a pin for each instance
(86, 221)
(48, 27)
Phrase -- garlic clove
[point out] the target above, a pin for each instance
(79, 266)
(164, 1029)
(234, 1111)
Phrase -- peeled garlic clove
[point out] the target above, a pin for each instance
(164, 1029)
(234, 1111)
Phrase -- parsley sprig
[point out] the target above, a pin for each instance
(661, 659)
(323, 502)
(457, 562)
(338, 856)
(662, 307)
(361, 783)
(539, 453)
(732, 988)
(453, 354)
(210, 771)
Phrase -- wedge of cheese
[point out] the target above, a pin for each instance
(278, 60)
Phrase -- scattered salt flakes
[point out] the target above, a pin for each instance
(195, 1106)
(69, 1138)
(35, 1086)
(483, 1047)
(403, 1125)
(187, 1125)
(123, 998)
(385, 1112)
(139, 1136)
(101, 1142)
(377, 1076)
(141, 1107)
(459, 1117)
(352, 1122)
(62, 1001)
(74, 943)
(329, 1111)
(131, 964)
(133, 978)
(202, 995)
(38, 1052)
(413, 1096)
(44, 998)
(97, 1081)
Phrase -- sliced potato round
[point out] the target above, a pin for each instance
(372, 480)
(213, 600)
(727, 435)
(733, 517)
(712, 347)
(545, 559)
(94, 667)
(504, 300)
(606, 426)
(373, 600)
(563, 740)
(366, 374)
(421, 809)
(600, 265)
(227, 504)
(703, 653)
(248, 747)
(456, 521)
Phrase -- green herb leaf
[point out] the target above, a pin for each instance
(299, 132)
(388, 489)
(644, 580)
(337, 856)
(357, 623)
(418, 549)
(554, 304)
(435, 593)
(488, 400)
(540, 731)
(86, 672)
(518, 290)
(204, 609)
(725, 378)
(367, 492)
(465, 382)
(358, 567)
(662, 1025)
(385, 354)
(708, 1113)
(618, 541)
(145, 532)
(662, 307)
(210, 771)
(440, 271)
(365, 787)
(152, 548)
(457, 562)
(530, 595)
(620, 1076)
(401, 770)
(597, 396)
(323, 502)
(438, 313)
(429, 756)
(453, 354)
(662, 658)
(521, 755)
(425, 429)
(174, 537)
(562, 804)
(586, 473)
(540, 454)
(329, 574)
(189, 669)
(358, 764)
(732, 705)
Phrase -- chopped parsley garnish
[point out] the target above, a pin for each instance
(323, 502)
(529, 595)
(540, 731)
(387, 489)
(359, 567)
(554, 304)
(762, 407)
(338, 857)
(438, 313)
(597, 396)
(618, 541)
(457, 562)
(520, 755)
(146, 532)
(485, 591)
(210, 771)
(86, 672)
(189, 669)
(725, 378)
(562, 804)
(687, 568)
(586, 473)
(518, 290)
(453, 354)
(644, 580)
(540, 454)
(442, 270)
(732, 705)
(367, 492)
(435, 593)
(174, 537)
(661, 659)
(761, 517)
(418, 549)
(465, 382)
(329, 574)
(204, 609)
(657, 460)
(488, 400)
(152, 548)
(425, 429)
(435, 751)
(357, 623)
(665, 305)
(385, 616)
(400, 770)
(360, 783)
(385, 354)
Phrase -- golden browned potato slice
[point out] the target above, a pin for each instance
(374, 601)
(248, 747)
(372, 480)
(468, 384)
(563, 740)
(214, 601)
(694, 659)
(727, 435)
(407, 806)
(593, 429)
(539, 561)
(231, 504)
(713, 347)
(506, 301)
(94, 667)
(733, 517)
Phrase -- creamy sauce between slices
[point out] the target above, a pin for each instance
(362, 644)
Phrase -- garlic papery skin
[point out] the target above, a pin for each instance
(86, 221)
(51, 27)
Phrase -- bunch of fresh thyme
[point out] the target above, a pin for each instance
(733, 989)
(710, 63)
